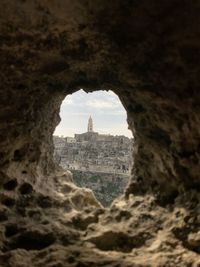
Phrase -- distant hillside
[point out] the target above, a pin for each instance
(100, 162)
(106, 186)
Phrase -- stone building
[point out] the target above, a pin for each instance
(148, 53)
(90, 124)
(91, 151)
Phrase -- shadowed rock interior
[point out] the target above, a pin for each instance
(147, 52)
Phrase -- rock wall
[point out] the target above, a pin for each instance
(53, 50)
(147, 52)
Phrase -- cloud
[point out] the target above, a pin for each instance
(109, 116)
(96, 103)
(67, 101)
(111, 93)
(95, 100)
(80, 114)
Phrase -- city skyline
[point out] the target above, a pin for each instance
(105, 108)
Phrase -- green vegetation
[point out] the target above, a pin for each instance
(105, 186)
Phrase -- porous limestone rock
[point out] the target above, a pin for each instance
(147, 52)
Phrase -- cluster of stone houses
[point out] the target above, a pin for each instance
(94, 152)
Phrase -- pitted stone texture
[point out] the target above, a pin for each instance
(36, 221)
(134, 232)
(51, 50)
(147, 52)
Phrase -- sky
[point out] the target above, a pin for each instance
(105, 108)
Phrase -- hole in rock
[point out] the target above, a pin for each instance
(10, 185)
(117, 241)
(11, 230)
(25, 189)
(32, 240)
(94, 143)
(8, 201)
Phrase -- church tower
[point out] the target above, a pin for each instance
(90, 124)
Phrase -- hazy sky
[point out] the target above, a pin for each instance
(108, 114)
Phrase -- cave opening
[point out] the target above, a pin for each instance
(146, 52)
(94, 143)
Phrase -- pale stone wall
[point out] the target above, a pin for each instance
(94, 152)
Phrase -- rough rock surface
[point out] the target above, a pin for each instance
(148, 53)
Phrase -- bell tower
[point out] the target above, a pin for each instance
(90, 125)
